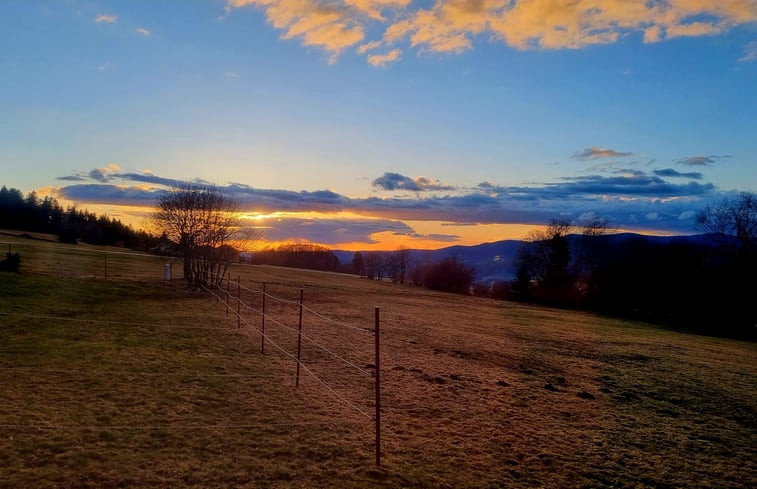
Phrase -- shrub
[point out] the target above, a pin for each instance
(11, 263)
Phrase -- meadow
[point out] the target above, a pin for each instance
(131, 381)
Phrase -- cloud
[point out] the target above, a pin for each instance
(452, 26)
(637, 184)
(109, 194)
(671, 173)
(104, 174)
(107, 18)
(445, 238)
(369, 46)
(687, 215)
(143, 31)
(395, 181)
(596, 152)
(381, 60)
(701, 160)
(72, 178)
(106, 66)
(750, 52)
(331, 26)
(623, 199)
(374, 8)
(331, 231)
(231, 74)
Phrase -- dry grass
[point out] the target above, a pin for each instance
(476, 393)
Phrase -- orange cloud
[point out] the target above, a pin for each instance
(369, 46)
(328, 25)
(381, 60)
(449, 26)
(446, 27)
(559, 24)
(373, 8)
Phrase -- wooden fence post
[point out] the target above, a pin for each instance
(299, 344)
(262, 324)
(228, 287)
(378, 389)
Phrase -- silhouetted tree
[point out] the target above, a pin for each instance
(734, 217)
(547, 256)
(377, 265)
(449, 275)
(401, 261)
(200, 219)
(358, 265)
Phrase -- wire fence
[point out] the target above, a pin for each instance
(87, 261)
(340, 355)
(234, 303)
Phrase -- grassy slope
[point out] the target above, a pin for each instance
(464, 392)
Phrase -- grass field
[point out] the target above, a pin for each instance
(132, 382)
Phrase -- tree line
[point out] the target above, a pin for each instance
(705, 285)
(298, 255)
(45, 215)
(448, 274)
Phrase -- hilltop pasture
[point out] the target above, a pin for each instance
(131, 381)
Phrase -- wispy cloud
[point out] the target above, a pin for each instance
(595, 152)
(671, 173)
(369, 46)
(231, 74)
(143, 31)
(106, 18)
(701, 160)
(750, 52)
(381, 60)
(395, 181)
(72, 178)
(107, 66)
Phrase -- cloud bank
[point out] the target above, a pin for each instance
(626, 200)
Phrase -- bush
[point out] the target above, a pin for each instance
(11, 263)
(447, 275)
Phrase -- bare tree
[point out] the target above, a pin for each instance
(358, 264)
(591, 248)
(401, 261)
(549, 255)
(734, 217)
(200, 219)
(377, 265)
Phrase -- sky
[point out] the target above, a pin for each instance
(373, 124)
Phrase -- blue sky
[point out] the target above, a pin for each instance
(373, 123)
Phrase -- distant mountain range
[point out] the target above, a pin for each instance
(497, 261)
